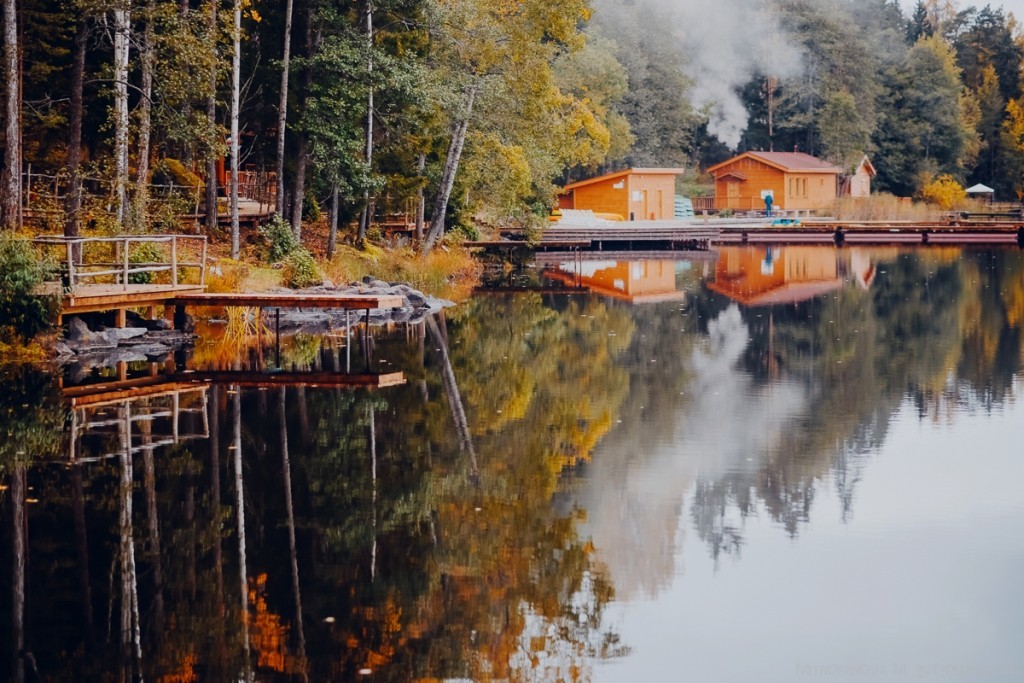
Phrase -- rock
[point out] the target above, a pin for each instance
(121, 333)
(63, 351)
(136, 320)
(78, 330)
(416, 299)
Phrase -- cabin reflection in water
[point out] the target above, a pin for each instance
(647, 281)
(765, 276)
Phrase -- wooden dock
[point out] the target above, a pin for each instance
(351, 302)
(700, 235)
(108, 280)
(116, 391)
(675, 234)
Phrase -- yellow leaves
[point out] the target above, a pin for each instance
(944, 192)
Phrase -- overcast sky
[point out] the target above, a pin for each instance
(1014, 6)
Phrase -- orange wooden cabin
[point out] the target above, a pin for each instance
(636, 194)
(638, 282)
(765, 276)
(797, 181)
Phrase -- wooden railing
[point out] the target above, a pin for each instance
(114, 258)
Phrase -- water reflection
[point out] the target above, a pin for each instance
(557, 482)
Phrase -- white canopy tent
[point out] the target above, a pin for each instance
(980, 189)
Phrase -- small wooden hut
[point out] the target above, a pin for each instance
(636, 194)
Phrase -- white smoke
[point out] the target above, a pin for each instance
(726, 44)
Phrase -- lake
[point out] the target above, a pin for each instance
(761, 464)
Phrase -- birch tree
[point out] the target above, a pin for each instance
(236, 95)
(122, 44)
(490, 46)
(282, 107)
(10, 201)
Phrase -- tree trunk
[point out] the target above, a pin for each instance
(451, 167)
(141, 200)
(302, 157)
(19, 551)
(217, 523)
(301, 162)
(240, 517)
(366, 215)
(236, 94)
(451, 390)
(421, 202)
(10, 202)
(282, 107)
(290, 510)
(153, 520)
(73, 198)
(82, 548)
(332, 237)
(122, 44)
(211, 119)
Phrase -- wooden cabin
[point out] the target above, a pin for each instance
(636, 194)
(796, 181)
(755, 276)
(637, 282)
(858, 185)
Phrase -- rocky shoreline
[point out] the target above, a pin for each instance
(86, 348)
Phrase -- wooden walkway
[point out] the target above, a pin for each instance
(116, 391)
(832, 232)
(351, 302)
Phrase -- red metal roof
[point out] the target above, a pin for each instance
(786, 161)
(628, 171)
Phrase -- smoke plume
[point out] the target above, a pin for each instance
(726, 43)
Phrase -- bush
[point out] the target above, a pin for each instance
(280, 239)
(944, 192)
(144, 252)
(23, 313)
(300, 269)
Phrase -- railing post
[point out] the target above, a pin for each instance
(202, 266)
(174, 260)
(125, 273)
(71, 265)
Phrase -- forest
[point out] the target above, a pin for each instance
(464, 114)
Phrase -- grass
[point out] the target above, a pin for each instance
(449, 272)
(886, 207)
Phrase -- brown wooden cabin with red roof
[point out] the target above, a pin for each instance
(636, 194)
(796, 180)
(755, 276)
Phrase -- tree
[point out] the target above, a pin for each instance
(122, 45)
(282, 106)
(925, 127)
(485, 47)
(236, 97)
(1011, 157)
(10, 182)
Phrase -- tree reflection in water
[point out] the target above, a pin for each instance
(476, 521)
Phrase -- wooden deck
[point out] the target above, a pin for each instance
(352, 302)
(93, 298)
(674, 233)
(116, 391)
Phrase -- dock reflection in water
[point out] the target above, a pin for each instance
(786, 461)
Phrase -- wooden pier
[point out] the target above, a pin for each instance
(108, 274)
(697, 235)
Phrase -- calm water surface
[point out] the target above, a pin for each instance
(770, 464)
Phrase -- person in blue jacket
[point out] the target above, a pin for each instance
(768, 201)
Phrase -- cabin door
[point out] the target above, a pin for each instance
(645, 214)
(732, 193)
